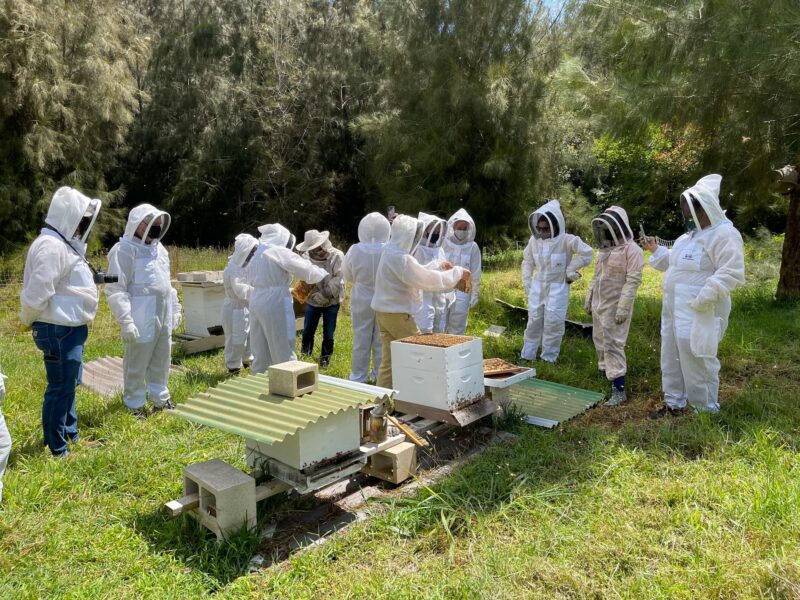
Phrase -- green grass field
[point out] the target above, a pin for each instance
(609, 505)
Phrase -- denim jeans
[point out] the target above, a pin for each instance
(328, 314)
(63, 362)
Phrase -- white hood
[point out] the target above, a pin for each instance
(242, 247)
(139, 214)
(374, 229)
(551, 211)
(67, 207)
(706, 190)
(461, 215)
(439, 226)
(275, 234)
(406, 233)
(615, 220)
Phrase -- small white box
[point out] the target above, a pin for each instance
(202, 308)
(448, 391)
(437, 360)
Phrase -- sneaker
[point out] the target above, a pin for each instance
(62, 455)
(234, 371)
(617, 398)
(666, 411)
(324, 362)
(138, 413)
(168, 405)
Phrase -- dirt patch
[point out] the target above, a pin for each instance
(437, 340)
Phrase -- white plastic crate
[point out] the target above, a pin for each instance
(437, 360)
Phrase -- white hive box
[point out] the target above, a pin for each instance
(203, 297)
(446, 378)
(336, 434)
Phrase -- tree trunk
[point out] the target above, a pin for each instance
(789, 283)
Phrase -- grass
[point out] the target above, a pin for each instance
(610, 504)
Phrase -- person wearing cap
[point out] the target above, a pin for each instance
(272, 332)
(326, 295)
(701, 270)
(398, 283)
(235, 310)
(146, 307)
(617, 277)
(58, 301)
(551, 262)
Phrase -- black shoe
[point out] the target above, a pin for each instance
(666, 411)
(324, 362)
(168, 405)
(234, 371)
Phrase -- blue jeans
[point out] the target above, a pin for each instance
(312, 316)
(63, 362)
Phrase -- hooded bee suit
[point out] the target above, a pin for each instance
(235, 311)
(272, 325)
(461, 250)
(430, 313)
(556, 260)
(59, 298)
(5, 437)
(617, 277)
(145, 305)
(397, 287)
(702, 269)
(360, 267)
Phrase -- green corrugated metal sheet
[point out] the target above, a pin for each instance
(243, 406)
(548, 404)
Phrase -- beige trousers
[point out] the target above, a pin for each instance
(393, 326)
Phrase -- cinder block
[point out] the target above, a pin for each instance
(395, 464)
(227, 496)
(293, 378)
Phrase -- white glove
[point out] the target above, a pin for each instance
(129, 333)
(696, 306)
(473, 300)
(621, 316)
(27, 315)
(573, 276)
(177, 317)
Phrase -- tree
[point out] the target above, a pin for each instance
(726, 70)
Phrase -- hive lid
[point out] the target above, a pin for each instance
(244, 407)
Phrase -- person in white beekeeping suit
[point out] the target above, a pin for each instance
(272, 324)
(430, 312)
(146, 307)
(5, 437)
(359, 268)
(551, 262)
(702, 269)
(461, 250)
(397, 287)
(617, 277)
(59, 299)
(235, 310)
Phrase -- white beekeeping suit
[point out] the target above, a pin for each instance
(272, 325)
(461, 250)
(58, 286)
(235, 310)
(551, 262)
(702, 269)
(145, 305)
(430, 313)
(617, 277)
(5, 437)
(360, 267)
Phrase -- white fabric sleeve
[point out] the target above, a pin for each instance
(429, 280)
(241, 289)
(335, 283)
(298, 266)
(177, 317)
(727, 254)
(582, 254)
(347, 268)
(475, 270)
(46, 268)
(528, 265)
(120, 264)
(633, 279)
(659, 259)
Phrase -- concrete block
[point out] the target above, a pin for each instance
(227, 496)
(395, 464)
(293, 378)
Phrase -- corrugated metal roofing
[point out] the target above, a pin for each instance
(243, 406)
(548, 404)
